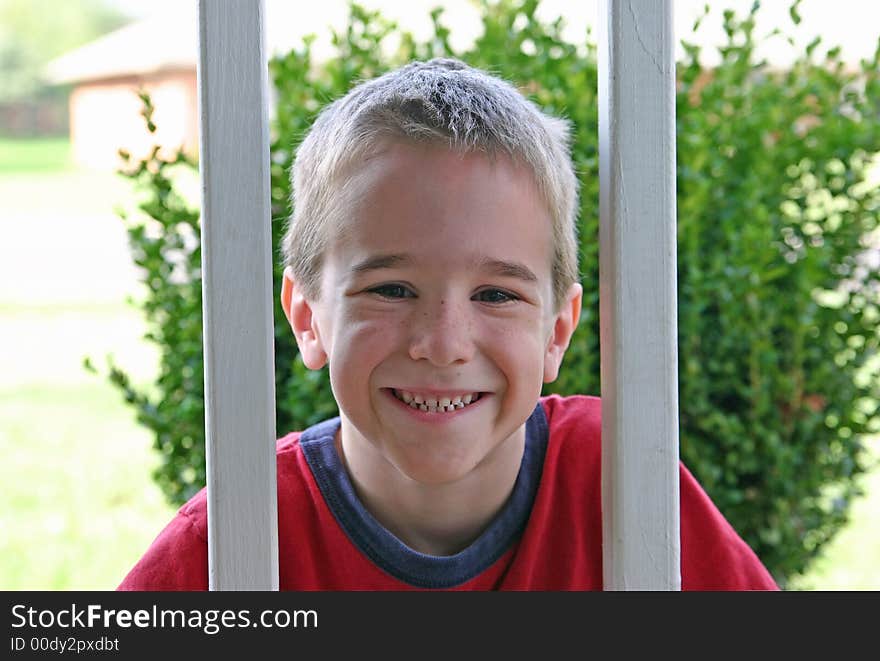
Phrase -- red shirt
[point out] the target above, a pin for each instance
(547, 537)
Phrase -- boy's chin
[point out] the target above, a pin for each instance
(435, 473)
(436, 465)
(434, 456)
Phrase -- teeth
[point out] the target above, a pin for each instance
(433, 404)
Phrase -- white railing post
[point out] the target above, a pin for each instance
(237, 297)
(638, 307)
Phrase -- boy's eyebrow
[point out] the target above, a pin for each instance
(381, 262)
(509, 269)
(496, 266)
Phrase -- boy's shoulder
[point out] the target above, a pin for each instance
(565, 411)
(178, 557)
(288, 444)
(574, 424)
(714, 556)
(195, 510)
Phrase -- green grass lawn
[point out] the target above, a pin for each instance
(79, 504)
(33, 155)
(852, 559)
(80, 507)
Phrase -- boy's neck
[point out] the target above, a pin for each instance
(436, 520)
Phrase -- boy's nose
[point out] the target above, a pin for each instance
(442, 335)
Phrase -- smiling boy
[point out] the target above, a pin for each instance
(431, 265)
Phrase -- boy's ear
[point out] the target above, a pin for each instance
(565, 323)
(299, 313)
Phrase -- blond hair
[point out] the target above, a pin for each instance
(443, 101)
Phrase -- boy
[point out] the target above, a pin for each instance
(431, 264)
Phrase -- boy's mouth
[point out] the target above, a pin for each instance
(434, 404)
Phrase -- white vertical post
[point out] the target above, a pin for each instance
(237, 297)
(638, 316)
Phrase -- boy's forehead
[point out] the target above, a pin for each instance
(398, 159)
(429, 178)
(409, 204)
(399, 171)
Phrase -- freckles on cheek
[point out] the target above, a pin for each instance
(521, 332)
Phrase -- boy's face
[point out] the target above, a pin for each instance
(438, 285)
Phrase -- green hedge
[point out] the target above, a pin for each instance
(777, 311)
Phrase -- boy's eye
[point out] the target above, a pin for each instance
(495, 296)
(391, 291)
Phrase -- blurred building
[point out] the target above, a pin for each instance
(156, 55)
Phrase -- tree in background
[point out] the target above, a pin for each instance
(32, 32)
(778, 303)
